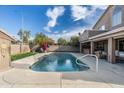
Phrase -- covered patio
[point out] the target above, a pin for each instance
(112, 43)
(85, 48)
(101, 48)
(107, 45)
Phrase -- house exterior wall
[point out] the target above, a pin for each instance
(5, 42)
(111, 34)
(106, 19)
(4, 52)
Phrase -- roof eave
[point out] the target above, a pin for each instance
(3, 31)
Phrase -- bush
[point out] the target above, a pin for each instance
(62, 41)
(23, 55)
(74, 41)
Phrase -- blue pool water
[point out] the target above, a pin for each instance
(58, 62)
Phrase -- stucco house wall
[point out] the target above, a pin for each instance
(112, 34)
(106, 19)
(5, 41)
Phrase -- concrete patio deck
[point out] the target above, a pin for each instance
(109, 75)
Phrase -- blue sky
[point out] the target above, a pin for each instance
(54, 21)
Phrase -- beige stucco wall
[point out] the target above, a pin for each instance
(58, 48)
(106, 19)
(18, 48)
(25, 48)
(5, 42)
(4, 53)
(15, 49)
(114, 31)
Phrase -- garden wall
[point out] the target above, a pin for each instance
(57, 48)
(18, 48)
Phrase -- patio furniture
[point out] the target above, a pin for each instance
(120, 57)
(97, 53)
(101, 54)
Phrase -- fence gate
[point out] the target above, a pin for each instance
(4, 56)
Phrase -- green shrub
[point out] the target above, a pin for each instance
(23, 55)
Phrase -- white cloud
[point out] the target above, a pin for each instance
(102, 7)
(53, 14)
(64, 31)
(78, 13)
(81, 12)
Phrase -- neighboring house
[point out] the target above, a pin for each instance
(107, 37)
(5, 42)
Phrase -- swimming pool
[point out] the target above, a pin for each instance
(58, 62)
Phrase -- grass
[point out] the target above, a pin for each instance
(23, 55)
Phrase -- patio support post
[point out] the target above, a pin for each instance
(92, 47)
(111, 50)
(80, 47)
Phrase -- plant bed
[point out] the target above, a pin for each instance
(23, 55)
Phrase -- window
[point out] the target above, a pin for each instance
(99, 46)
(117, 16)
(102, 27)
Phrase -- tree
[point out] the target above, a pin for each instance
(20, 33)
(24, 35)
(41, 39)
(74, 41)
(62, 41)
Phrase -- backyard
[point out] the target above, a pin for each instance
(48, 51)
(50, 64)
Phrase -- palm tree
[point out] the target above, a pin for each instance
(24, 35)
(20, 33)
(41, 39)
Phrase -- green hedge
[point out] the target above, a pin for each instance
(20, 56)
